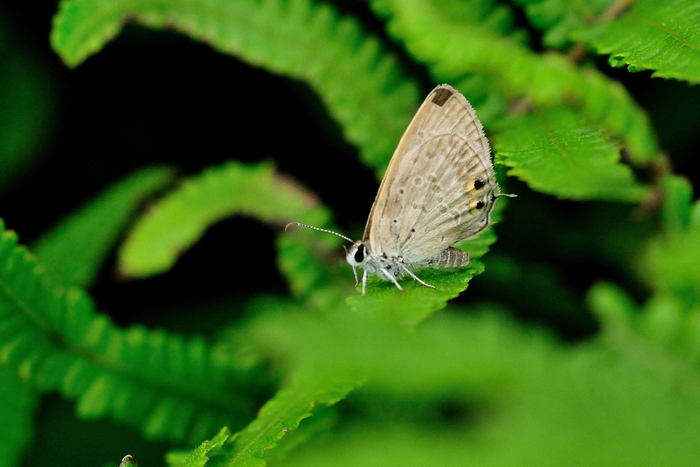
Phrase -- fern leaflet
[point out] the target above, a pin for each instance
(555, 152)
(180, 218)
(164, 384)
(652, 35)
(74, 249)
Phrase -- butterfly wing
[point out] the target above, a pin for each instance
(439, 187)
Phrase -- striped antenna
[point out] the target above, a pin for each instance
(299, 224)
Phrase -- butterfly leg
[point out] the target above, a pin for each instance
(391, 277)
(354, 273)
(364, 281)
(410, 273)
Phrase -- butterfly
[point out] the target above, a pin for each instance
(439, 189)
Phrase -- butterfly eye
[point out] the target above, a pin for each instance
(360, 254)
(478, 185)
(480, 204)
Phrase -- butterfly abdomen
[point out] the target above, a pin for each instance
(449, 258)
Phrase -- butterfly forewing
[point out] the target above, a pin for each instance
(439, 187)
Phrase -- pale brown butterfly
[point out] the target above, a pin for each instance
(438, 190)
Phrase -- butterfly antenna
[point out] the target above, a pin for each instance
(299, 224)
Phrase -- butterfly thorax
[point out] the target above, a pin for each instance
(361, 255)
(395, 266)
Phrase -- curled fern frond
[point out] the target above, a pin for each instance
(515, 71)
(297, 38)
(166, 385)
(180, 218)
(74, 249)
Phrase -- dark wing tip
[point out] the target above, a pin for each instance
(441, 94)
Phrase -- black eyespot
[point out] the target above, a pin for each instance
(479, 184)
(480, 204)
(360, 253)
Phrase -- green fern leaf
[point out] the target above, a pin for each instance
(200, 455)
(676, 210)
(340, 350)
(18, 401)
(515, 71)
(662, 336)
(164, 384)
(180, 218)
(559, 18)
(653, 35)
(74, 249)
(281, 414)
(298, 38)
(557, 153)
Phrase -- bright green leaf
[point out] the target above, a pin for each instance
(671, 265)
(662, 36)
(74, 250)
(281, 414)
(200, 455)
(177, 221)
(555, 152)
(677, 203)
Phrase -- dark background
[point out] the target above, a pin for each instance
(157, 97)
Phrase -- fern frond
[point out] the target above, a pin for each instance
(652, 35)
(515, 71)
(18, 402)
(75, 248)
(338, 351)
(297, 38)
(670, 263)
(556, 152)
(559, 18)
(526, 384)
(199, 456)
(662, 336)
(179, 219)
(677, 207)
(280, 415)
(166, 385)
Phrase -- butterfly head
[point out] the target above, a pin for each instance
(357, 253)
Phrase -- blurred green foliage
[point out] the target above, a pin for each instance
(322, 375)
